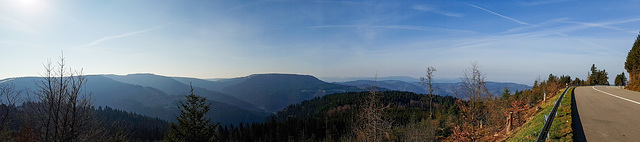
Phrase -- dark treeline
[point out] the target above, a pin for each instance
(62, 111)
(632, 65)
(332, 117)
(598, 77)
(134, 126)
(120, 123)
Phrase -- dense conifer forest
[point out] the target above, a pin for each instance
(472, 114)
(331, 117)
(336, 117)
(117, 123)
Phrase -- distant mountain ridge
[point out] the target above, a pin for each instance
(213, 85)
(146, 100)
(273, 92)
(345, 79)
(174, 87)
(399, 78)
(442, 89)
(244, 99)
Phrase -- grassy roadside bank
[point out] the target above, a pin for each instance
(560, 128)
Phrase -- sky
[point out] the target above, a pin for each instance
(512, 40)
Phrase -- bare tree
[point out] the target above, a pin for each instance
(473, 87)
(63, 109)
(474, 83)
(428, 132)
(372, 125)
(423, 131)
(428, 82)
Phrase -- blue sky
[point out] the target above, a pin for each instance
(512, 41)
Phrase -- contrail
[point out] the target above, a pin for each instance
(494, 13)
(112, 37)
(118, 36)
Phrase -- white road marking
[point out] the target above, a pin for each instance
(615, 96)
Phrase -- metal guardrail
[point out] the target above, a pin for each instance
(547, 124)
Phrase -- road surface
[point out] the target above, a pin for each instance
(607, 114)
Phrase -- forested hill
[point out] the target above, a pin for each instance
(272, 92)
(332, 117)
(146, 100)
(442, 89)
(345, 102)
(134, 126)
(171, 87)
(117, 124)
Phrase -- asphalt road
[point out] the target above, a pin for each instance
(607, 114)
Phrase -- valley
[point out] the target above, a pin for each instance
(245, 99)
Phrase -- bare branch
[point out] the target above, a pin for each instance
(64, 111)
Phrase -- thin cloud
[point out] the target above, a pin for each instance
(399, 27)
(541, 31)
(369, 33)
(580, 26)
(534, 26)
(343, 2)
(419, 28)
(606, 25)
(112, 37)
(19, 25)
(600, 47)
(597, 25)
(435, 10)
(497, 14)
(595, 47)
(542, 2)
(18, 44)
(117, 36)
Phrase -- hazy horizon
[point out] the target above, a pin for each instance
(514, 41)
(408, 79)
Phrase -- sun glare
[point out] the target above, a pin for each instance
(30, 7)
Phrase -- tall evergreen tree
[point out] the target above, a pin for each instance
(564, 80)
(598, 77)
(506, 93)
(632, 65)
(593, 76)
(621, 79)
(578, 81)
(192, 125)
(603, 77)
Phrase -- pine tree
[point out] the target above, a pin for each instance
(598, 77)
(632, 65)
(604, 77)
(192, 125)
(506, 93)
(621, 79)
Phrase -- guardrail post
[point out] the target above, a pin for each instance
(509, 120)
(548, 119)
